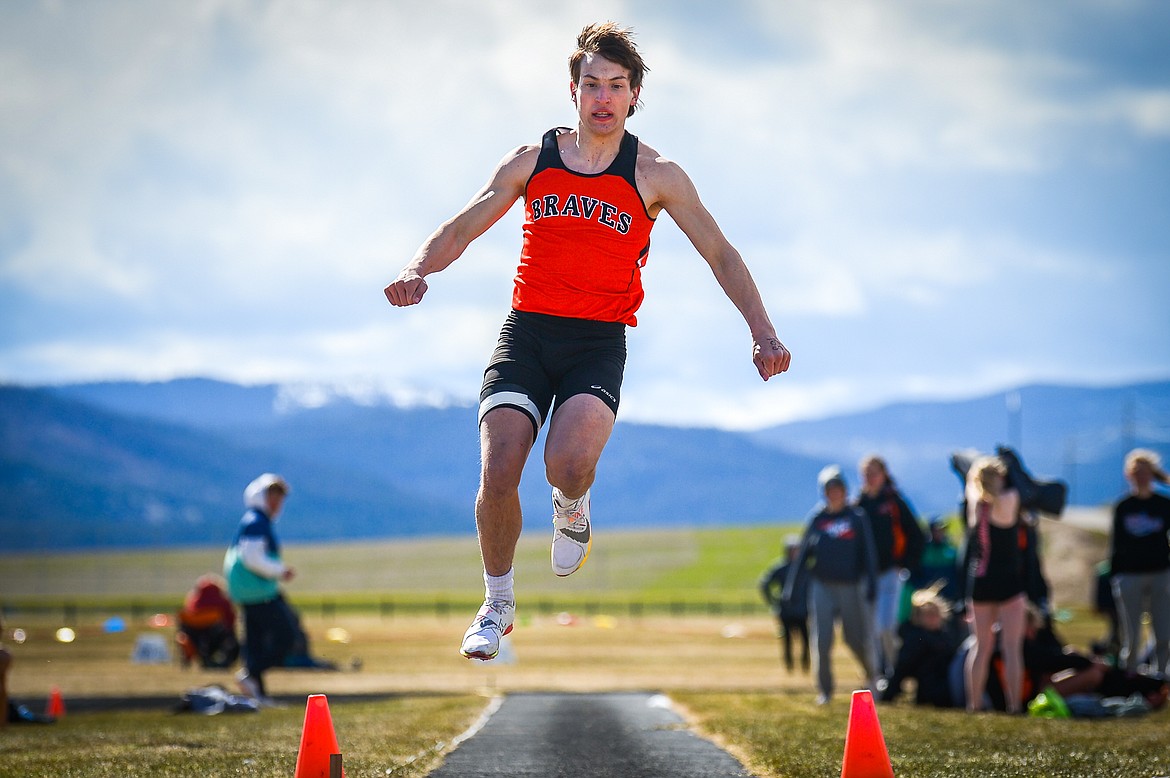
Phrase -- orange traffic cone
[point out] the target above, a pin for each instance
(56, 706)
(318, 741)
(865, 748)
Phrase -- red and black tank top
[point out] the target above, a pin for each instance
(586, 238)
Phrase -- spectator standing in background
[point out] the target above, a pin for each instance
(837, 553)
(254, 570)
(791, 614)
(1140, 560)
(996, 582)
(899, 541)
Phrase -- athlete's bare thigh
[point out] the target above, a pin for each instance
(577, 434)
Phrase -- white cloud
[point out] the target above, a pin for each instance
(1147, 111)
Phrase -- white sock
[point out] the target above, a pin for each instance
(563, 502)
(499, 587)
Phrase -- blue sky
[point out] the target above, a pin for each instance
(937, 199)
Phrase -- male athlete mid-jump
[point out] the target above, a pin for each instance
(591, 196)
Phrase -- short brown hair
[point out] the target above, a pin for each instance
(615, 43)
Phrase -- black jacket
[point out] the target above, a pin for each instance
(896, 532)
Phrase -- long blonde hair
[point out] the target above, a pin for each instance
(981, 477)
(926, 598)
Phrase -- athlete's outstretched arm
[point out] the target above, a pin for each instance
(678, 197)
(453, 236)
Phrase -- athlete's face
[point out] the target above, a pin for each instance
(602, 94)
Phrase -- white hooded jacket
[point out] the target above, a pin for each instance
(252, 551)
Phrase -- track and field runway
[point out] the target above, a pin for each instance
(616, 735)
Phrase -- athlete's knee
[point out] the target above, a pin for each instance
(572, 474)
(572, 450)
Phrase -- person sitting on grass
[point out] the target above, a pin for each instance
(1050, 662)
(207, 626)
(928, 646)
(299, 656)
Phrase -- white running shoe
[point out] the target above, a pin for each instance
(494, 620)
(571, 536)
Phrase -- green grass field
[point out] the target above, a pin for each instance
(775, 734)
(785, 736)
(414, 694)
(401, 736)
(689, 562)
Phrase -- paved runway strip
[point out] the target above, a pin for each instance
(619, 735)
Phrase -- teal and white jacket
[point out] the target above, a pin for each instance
(252, 565)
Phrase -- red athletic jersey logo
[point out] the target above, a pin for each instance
(586, 239)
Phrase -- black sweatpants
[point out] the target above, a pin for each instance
(270, 629)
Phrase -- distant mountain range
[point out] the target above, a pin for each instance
(122, 464)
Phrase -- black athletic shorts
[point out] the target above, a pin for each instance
(539, 358)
